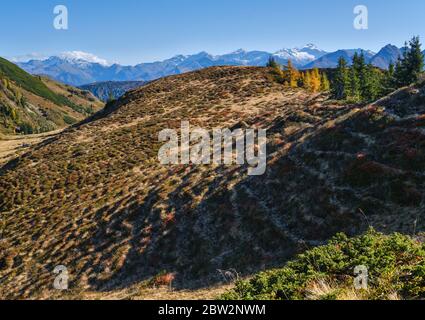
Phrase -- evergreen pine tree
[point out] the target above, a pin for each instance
(363, 74)
(341, 80)
(276, 69)
(272, 63)
(399, 74)
(415, 61)
(373, 87)
(410, 65)
(388, 82)
(354, 85)
(359, 63)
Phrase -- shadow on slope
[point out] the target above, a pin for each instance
(362, 169)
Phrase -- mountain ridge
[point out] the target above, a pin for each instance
(79, 72)
(71, 68)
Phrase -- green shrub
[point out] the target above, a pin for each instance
(396, 267)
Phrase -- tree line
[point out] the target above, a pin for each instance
(363, 82)
(358, 82)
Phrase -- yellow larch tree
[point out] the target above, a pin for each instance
(315, 80)
(325, 85)
(292, 75)
(307, 80)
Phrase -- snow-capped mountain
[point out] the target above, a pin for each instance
(80, 57)
(79, 68)
(301, 56)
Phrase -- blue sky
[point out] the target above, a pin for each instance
(134, 31)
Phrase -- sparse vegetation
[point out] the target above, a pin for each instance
(95, 198)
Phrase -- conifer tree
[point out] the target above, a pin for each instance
(391, 69)
(291, 75)
(354, 84)
(324, 83)
(341, 80)
(415, 61)
(372, 88)
(277, 69)
(307, 80)
(410, 65)
(361, 71)
(315, 80)
(399, 74)
(359, 63)
(272, 63)
(388, 82)
(111, 96)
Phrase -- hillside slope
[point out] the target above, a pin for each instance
(96, 199)
(35, 104)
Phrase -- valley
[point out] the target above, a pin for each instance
(14, 146)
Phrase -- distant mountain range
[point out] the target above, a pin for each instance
(330, 60)
(79, 68)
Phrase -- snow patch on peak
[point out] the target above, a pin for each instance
(80, 56)
(295, 54)
(310, 46)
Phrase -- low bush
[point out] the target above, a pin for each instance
(396, 269)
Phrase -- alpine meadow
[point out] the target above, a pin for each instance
(207, 172)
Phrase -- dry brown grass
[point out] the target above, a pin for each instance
(13, 146)
(95, 199)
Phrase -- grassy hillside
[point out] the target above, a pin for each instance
(396, 270)
(28, 82)
(97, 200)
(34, 104)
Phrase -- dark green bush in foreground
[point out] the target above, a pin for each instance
(396, 266)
